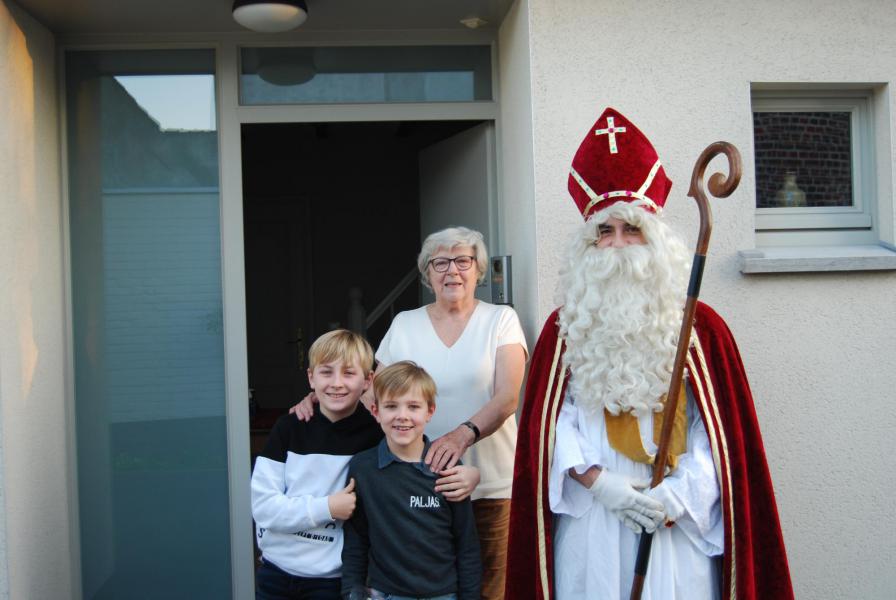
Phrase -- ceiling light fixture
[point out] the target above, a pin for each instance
(473, 22)
(270, 16)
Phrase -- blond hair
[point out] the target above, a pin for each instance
(344, 345)
(403, 377)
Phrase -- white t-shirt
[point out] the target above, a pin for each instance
(465, 378)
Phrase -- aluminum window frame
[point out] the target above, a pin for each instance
(861, 216)
(230, 116)
(465, 106)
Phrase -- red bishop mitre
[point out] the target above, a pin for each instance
(616, 162)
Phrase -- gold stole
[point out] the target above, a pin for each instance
(624, 434)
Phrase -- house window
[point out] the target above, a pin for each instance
(365, 74)
(147, 331)
(803, 159)
(814, 167)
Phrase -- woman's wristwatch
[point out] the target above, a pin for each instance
(474, 429)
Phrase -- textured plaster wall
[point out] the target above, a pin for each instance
(35, 535)
(516, 172)
(818, 348)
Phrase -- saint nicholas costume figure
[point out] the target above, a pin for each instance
(592, 414)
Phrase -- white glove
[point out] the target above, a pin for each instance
(672, 506)
(620, 495)
(638, 522)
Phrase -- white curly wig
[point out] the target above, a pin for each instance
(621, 313)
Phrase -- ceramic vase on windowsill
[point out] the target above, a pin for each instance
(790, 194)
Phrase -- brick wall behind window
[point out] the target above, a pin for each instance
(814, 145)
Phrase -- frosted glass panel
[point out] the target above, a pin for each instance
(149, 350)
(323, 75)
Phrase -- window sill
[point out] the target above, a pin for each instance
(818, 259)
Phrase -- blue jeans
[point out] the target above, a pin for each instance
(273, 583)
(376, 595)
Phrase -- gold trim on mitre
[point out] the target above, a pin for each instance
(638, 196)
(624, 433)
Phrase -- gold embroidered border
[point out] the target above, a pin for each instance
(653, 170)
(710, 427)
(552, 433)
(639, 199)
(639, 196)
(727, 463)
(585, 188)
(539, 512)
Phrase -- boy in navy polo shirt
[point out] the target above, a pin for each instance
(404, 539)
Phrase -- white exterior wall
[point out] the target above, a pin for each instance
(35, 534)
(515, 152)
(818, 348)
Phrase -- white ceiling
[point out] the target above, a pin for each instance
(214, 16)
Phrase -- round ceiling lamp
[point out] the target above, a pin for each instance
(270, 16)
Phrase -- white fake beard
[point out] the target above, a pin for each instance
(621, 315)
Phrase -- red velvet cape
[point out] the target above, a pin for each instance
(754, 562)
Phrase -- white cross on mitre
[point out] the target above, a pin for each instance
(610, 132)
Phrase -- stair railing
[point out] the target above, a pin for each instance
(388, 303)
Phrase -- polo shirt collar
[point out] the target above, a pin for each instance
(385, 457)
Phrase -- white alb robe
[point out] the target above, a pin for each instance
(594, 553)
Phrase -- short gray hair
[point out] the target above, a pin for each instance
(449, 238)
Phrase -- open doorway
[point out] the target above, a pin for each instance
(333, 216)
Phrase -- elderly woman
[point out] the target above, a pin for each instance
(476, 353)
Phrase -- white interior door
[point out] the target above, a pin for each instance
(457, 188)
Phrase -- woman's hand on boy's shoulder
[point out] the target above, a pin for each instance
(446, 450)
(342, 503)
(457, 483)
(304, 410)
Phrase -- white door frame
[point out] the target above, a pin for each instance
(230, 118)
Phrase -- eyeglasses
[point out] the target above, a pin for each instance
(463, 263)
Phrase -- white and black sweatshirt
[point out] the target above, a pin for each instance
(301, 465)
